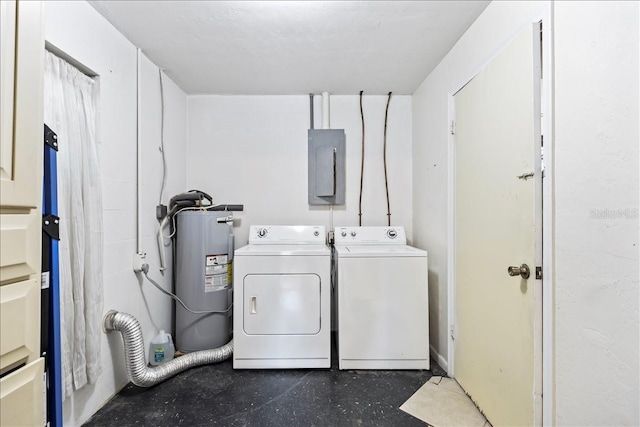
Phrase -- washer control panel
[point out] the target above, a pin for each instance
(287, 235)
(371, 235)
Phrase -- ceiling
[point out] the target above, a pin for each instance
(293, 47)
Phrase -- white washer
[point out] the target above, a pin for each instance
(282, 294)
(382, 299)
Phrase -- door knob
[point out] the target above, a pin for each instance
(523, 271)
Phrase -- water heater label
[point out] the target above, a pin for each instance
(216, 272)
(215, 283)
(211, 260)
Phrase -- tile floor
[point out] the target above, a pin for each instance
(216, 395)
(442, 402)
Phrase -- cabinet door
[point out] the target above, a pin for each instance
(20, 246)
(21, 152)
(19, 323)
(21, 146)
(22, 396)
(7, 69)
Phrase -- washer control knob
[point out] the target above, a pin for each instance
(316, 233)
(392, 234)
(353, 234)
(262, 232)
(344, 234)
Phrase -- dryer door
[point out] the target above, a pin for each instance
(281, 304)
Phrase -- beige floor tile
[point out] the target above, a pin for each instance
(441, 402)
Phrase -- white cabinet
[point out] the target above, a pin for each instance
(19, 323)
(21, 396)
(21, 148)
(7, 69)
(22, 107)
(20, 245)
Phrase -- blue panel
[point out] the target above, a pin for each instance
(54, 354)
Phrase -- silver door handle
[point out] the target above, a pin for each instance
(254, 305)
(522, 271)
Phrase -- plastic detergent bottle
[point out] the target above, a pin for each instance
(161, 348)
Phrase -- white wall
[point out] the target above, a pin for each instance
(80, 32)
(493, 29)
(595, 166)
(253, 150)
(597, 51)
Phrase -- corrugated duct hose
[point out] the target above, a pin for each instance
(134, 352)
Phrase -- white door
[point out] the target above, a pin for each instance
(497, 351)
(21, 148)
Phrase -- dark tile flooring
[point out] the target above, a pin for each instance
(216, 395)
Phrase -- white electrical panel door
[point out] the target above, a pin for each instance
(281, 304)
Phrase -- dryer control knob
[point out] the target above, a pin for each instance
(353, 234)
(392, 234)
(316, 233)
(262, 232)
(344, 234)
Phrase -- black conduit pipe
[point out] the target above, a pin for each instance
(362, 163)
(386, 183)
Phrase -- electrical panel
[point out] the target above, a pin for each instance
(326, 166)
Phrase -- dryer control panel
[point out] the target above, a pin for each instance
(394, 235)
(287, 235)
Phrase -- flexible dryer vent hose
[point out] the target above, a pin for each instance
(144, 376)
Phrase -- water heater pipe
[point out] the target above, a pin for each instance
(326, 125)
(160, 240)
(134, 352)
(311, 111)
(325, 110)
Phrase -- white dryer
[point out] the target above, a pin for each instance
(382, 300)
(282, 299)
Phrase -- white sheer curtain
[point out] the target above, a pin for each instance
(70, 98)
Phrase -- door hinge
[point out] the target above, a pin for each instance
(50, 138)
(452, 332)
(538, 273)
(453, 127)
(51, 226)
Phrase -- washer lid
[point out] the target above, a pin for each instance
(370, 251)
(283, 250)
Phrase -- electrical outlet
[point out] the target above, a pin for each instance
(139, 259)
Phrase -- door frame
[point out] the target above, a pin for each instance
(544, 363)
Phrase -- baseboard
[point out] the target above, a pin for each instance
(441, 360)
